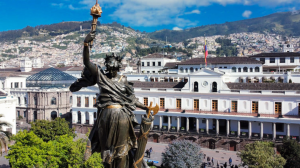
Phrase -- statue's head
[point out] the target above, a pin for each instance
(113, 63)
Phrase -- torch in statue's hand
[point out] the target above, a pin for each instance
(90, 37)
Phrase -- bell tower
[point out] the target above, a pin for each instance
(288, 47)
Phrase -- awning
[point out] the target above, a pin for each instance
(248, 77)
(166, 77)
(256, 78)
(281, 78)
(241, 77)
(151, 77)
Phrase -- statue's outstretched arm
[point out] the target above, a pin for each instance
(86, 53)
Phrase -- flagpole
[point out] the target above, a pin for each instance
(205, 51)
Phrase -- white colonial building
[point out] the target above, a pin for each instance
(231, 97)
(8, 110)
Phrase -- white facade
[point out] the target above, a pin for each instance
(12, 82)
(25, 65)
(154, 65)
(8, 110)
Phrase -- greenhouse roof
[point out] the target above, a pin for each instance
(51, 74)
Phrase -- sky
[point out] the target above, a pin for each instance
(143, 15)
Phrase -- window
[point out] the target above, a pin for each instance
(214, 87)
(279, 127)
(239, 69)
(254, 107)
(78, 101)
(233, 69)
(159, 63)
(299, 109)
(272, 60)
(186, 70)
(87, 117)
(153, 63)
(94, 101)
(18, 113)
(21, 85)
(241, 80)
(196, 104)
(225, 67)
(220, 67)
(278, 108)
(162, 103)
(191, 69)
(53, 101)
(256, 69)
(143, 64)
(86, 102)
(282, 60)
(245, 69)
(25, 100)
(24, 114)
(262, 60)
(148, 63)
(214, 105)
(153, 71)
(196, 69)
(71, 99)
(79, 115)
(292, 60)
(165, 119)
(16, 85)
(178, 103)
(19, 100)
(244, 124)
(181, 70)
(234, 106)
(34, 101)
(146, 101)
(251, 69)
(11, 85)
(204, 121)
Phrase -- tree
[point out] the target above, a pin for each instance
(4, 136)
(291, 152)
(261, 155)
(94, 161)
(182, 154)
(31, 151)
(47, 130)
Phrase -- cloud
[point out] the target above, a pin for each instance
(246, 13)
(72, 7)
(196, 11)
(165, 12)
(177, 28)
(57, 4)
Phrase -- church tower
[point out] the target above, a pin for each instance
(287, 47)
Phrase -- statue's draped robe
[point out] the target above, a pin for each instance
(113, 132)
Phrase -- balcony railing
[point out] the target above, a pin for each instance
(228, 113)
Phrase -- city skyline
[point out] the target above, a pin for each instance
(139, 14)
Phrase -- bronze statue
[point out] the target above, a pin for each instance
(113, 132)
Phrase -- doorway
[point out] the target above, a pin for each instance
(214, 87)
(232, 146)
(212, 144)
(155, 138)
(34, 115)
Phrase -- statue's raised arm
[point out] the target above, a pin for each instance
(86, 53)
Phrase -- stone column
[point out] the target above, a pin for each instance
(250, 129)
(91, 118)
(178, 124)
(74, 117)
(227, 128)
(274, 131)
(83, 118)
(151, 127)
(197, 125)
(160, 122)
(239, 129)
(288, 131)
(217, 127)
(207, 126)
(169, 123)
(261, 130)
(187, 124)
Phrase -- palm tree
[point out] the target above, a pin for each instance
(4, 136)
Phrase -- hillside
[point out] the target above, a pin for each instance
(284, 23)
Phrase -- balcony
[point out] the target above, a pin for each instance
(227, 113)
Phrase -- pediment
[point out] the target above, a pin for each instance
(206, 72)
